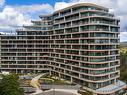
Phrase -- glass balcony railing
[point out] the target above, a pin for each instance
(71, 18)
(94, 22)
(86, 14)
(97, 72)
(82, 8)
(97, 54)
(97, 41)
(101, 59)
(103, 22)
(95, 78)
(95, 66)
(97, 29)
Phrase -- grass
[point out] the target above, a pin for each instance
(57, 80)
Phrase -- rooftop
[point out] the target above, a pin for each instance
(80, 4)
(73, 6)
(112, 88)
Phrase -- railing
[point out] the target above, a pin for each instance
(101, 60)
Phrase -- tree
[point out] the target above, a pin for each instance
(123, 57)
(9, 85)
(123, 61)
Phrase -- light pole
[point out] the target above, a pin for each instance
(53, 88)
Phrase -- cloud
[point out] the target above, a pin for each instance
(11, 17)
(123, 36)
(46, 8)
(61, 5)
(2, 2)
(122, 7)
(106, 3)
(121, 11)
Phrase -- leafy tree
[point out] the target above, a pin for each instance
(9, 85)
(123, 57)
(123, 61)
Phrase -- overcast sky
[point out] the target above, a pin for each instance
(14, 13)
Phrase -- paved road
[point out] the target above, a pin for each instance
(74, 87)
(59, 89)
(56, 93)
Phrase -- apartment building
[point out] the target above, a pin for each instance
(79, 43)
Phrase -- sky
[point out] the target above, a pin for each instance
(15, 13)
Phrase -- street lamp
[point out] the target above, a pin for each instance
(53, 88)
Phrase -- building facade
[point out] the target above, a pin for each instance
(79, 43)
